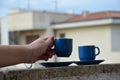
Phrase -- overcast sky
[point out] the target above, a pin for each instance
(75, 6)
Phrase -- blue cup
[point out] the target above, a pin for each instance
(87, 53)
(63, 47)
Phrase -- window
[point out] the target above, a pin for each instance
(62, 35)
(115, 38)
(31, 38)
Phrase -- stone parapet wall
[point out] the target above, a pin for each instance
(1, 76)
(82, 72)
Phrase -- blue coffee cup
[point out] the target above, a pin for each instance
(88, 52)
(63, 47)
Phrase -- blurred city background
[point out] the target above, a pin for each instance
(87, 22)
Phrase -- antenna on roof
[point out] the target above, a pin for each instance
(18, 3)
(28, 4)
(56, 4)
(84, 13)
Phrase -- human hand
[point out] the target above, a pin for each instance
(42, 48)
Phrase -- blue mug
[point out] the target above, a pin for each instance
(87, 53)
(63, 47)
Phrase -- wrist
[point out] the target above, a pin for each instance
(32, 57)
(29, 54)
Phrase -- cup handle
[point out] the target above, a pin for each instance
(98, 51)
(53, 48)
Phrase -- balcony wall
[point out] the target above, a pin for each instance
(83, 72)
(1, 76)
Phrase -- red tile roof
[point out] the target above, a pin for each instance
(95, 16)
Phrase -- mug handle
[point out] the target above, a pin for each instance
(98, 51)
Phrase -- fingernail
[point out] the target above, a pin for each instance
(52, 37)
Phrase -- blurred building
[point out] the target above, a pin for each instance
(25, 26)
(101, 29)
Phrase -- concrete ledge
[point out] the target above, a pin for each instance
(1, 76)
(83, 72)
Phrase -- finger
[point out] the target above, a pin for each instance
(50, 40)
(51, 45)
(44, 57)
(45, 38)
(50, 55)
(47, 55)
(52, 51)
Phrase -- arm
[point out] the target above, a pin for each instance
(39, 49)
(14, 54)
